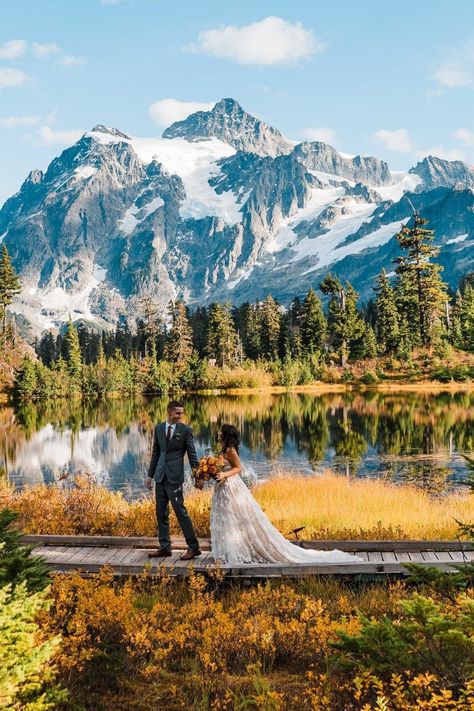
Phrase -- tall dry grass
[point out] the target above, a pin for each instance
(329, 506)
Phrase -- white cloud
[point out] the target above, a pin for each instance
(48, 136)
(397, 140)
(266, 42)
(110, 2)
(324, 134)
(442, 152)
(452, 76)
(12, 77)
(14, 121)
(168, 111)
(46, 49)
(457, 70)
(467, 137)
(13, 49)
(69, 60)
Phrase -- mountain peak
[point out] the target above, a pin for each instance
(109, 130)
(230, 123)
(436, 172)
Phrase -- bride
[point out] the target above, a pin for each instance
(240, 531)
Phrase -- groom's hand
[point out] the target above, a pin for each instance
(149, 483)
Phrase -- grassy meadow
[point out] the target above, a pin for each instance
(329, 506)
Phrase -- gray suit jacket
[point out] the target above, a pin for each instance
(168, 458)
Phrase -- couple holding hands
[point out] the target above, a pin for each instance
(241, 533)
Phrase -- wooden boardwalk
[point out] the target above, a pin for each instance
(129, 556)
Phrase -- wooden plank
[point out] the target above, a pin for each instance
(389, 557)
(458, 557)
(429, 556)
(205, 543)
(364, 555)
(404, 545)
(115, 541)
(416, 557)
(403, 557)
(443, 557)
(375, 557)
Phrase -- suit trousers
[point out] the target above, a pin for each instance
(165, 493)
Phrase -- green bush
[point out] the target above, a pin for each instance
(26, 672)
(426, 637)
(369, 377)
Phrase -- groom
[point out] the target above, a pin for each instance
(171, 440)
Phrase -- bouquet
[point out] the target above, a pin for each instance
(209, 467)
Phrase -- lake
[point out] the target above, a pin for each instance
(412, 437)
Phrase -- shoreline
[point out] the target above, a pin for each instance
(429, 386)
(317, 387)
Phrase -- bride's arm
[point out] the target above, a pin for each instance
(234, 460)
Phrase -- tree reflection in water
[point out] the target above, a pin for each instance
(416, 437)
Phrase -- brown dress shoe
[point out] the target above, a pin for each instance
(160, 553)
(190, 553)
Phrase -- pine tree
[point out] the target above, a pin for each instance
(313, 325)
(25, 381)
(387, 326)
(422, 293)
(270, 328)
(251, 331)
(344, 322)
(9, 285)
(369, 343)
(179, 342)
(74, 355)
(222, 340)
(462, 317)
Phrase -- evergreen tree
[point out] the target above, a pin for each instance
(313, 325)
(179, 342)
(73, 353)
(251, 331)
(369, 343)
(387, 326)
(344, 322)
(25, 381)
(9, 285)
(462, 317)
(422, 293)
(270, 328)
(198, 322)
(222, 341)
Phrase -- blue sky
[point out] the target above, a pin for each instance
(388, 79)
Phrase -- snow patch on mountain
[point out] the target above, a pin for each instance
(51, 308)
(460, 238)
(130, 220)
(324, 246)
(319, 199)
(374, 239)
(402, 182)
(195, 164)
(85, 171)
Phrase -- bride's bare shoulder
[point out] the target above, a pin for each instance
(231, 453)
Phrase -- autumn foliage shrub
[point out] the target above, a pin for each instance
(314, 644)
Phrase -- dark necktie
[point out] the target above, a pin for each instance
(168, 434)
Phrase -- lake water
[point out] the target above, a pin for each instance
(416, 437)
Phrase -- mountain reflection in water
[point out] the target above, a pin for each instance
(416, 437)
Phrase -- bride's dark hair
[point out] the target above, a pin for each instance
(230, 437)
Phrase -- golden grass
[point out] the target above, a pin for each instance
(333, 506)
(329, 506)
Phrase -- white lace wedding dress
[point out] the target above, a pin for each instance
(242, 534)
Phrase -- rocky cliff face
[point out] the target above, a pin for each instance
(230, 123)
(222, 207)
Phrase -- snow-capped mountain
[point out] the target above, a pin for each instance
(221, 207)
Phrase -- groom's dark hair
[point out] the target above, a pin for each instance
(173, 404)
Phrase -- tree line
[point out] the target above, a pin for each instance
(411, 309)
